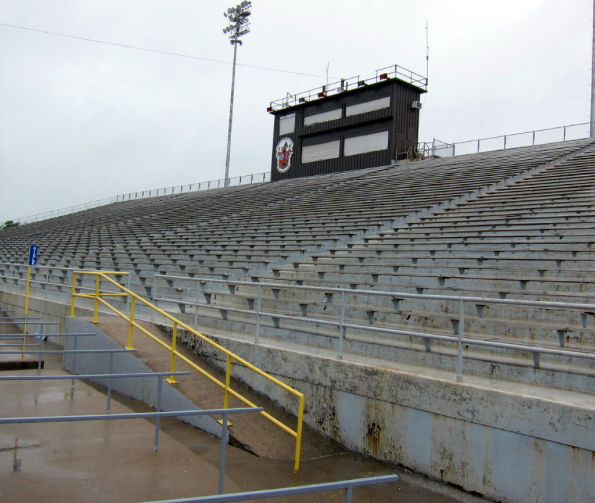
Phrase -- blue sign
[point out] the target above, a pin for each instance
(33, 255)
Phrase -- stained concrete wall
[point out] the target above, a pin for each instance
(500, 443)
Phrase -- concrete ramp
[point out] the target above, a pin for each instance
(255, 433)
(142, 389)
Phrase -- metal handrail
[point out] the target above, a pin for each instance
(342, 325)
(437, 148)
(346, 485)
(97, 297)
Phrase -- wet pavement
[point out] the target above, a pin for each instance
(114, 461)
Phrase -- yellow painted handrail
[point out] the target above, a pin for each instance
(97, 297)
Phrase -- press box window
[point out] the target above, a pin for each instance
(286, 124)
(320, 152)
(331, 115)
(367, 106)
(366, 143)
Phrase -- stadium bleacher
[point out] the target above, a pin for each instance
(509, 224)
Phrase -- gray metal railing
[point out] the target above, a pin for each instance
(341, 325)
(145, 194)
(344, 485)
(17, 274)
(438, 148)
(435, 148)
(390, 72)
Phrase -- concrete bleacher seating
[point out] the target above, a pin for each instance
(511, 224)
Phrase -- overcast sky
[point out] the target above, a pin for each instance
(81, 121)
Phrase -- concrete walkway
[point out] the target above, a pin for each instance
(91, 461)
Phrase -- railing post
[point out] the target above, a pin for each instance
(478, 145)
(196, 307)
(460, 344)
(97, 283)
(224, 440)
(348, 494)
(131, 326)
(76, 343)
(504, 142)
(72, 292)
(298, 436)
(26, 310)
(258, 309)
(158, 406)
(174, 337)
(227, 383)
(341, 326)
(564, 137)
(533, 137)
(128, 297)
(109, 381)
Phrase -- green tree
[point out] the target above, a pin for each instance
(8, 224)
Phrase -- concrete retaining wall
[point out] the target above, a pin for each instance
(500, 443)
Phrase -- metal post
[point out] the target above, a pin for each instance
(72, 292)
(157, 422)
(504, 142)
(533, 137)
(39, 355)
(131, 326)
(109, 383)
(233, 80)
(197, 301)
(298, 436)
(76, 340)
(224, 440)
(348, 494)
(460, 344)
(258, 309)
(227, 383)
(478, 145)
(564, 138)
(342, 326)
(26, 309)
(128, 296)
(174, 337)
(153, 295)
(96, 309)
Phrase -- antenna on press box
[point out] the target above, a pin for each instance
(427, 51)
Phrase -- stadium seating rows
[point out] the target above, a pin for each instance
(510, 224)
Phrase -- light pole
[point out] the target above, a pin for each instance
(238, 16)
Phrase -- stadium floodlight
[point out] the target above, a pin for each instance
(240, 26)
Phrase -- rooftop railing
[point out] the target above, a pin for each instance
(390, 72)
